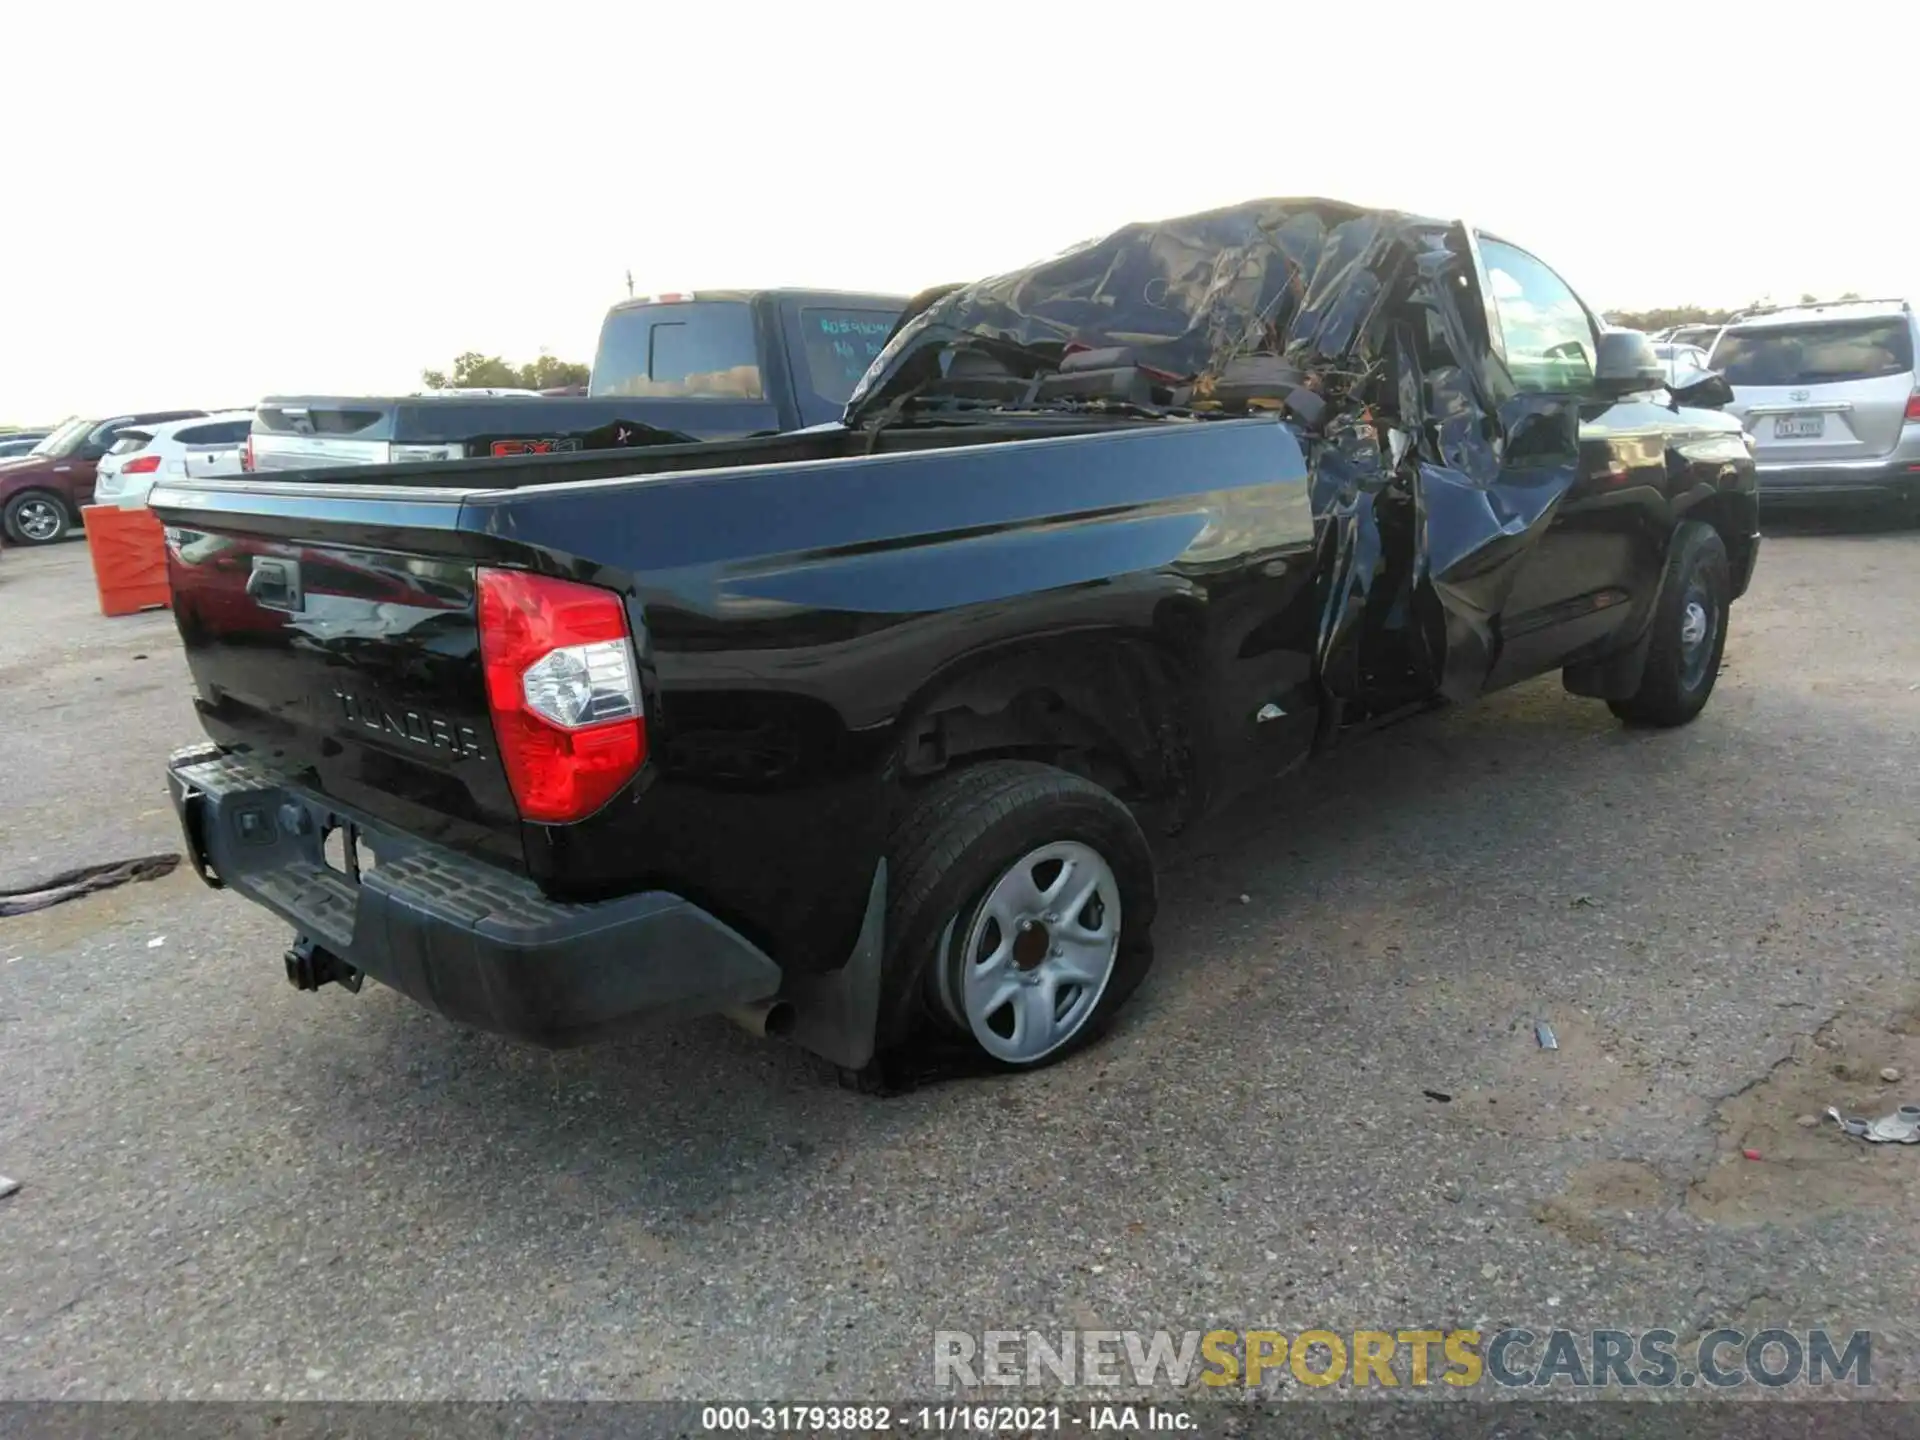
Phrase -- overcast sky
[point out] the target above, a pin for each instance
(207, 204)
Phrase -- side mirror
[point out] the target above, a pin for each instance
(1703, 390)
(1624, 364)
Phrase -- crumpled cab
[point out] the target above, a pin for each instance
(857, 734)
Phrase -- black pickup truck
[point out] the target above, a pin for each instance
(669, 369)
(859, 735)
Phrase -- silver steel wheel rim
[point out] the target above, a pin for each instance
(39, 520)
(1039, 952)
(1699, 620)
(1693, 629)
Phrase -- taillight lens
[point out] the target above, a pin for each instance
(1913, 406)
(141, 465)
(562, 687)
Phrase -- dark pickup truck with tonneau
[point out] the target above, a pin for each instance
(858, 735)
(669, 369)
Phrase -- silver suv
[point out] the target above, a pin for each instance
(1829, 396)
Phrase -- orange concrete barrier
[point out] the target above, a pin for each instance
(129, 554)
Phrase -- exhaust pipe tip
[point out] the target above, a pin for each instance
(765, 1019)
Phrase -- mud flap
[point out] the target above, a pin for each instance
(1616, 676)
(835, 1015)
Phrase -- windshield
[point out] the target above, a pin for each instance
(1818, 354)
(66, 436)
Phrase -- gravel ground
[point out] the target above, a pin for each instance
(234, 1190)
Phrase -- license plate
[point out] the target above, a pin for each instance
(1798, 427)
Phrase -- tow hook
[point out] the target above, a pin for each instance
(309, 966)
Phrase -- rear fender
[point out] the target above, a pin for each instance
(1109, 702)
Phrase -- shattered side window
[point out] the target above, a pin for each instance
(1549, 337)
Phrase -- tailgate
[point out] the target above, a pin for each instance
(1856, 420)
(311, 433)
(344, 650)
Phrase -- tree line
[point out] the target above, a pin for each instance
(474, 371)
(1667, 316)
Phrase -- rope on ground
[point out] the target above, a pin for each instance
(89, 879)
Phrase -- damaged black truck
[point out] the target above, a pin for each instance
(858, 735)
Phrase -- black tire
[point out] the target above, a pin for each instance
(962, 836)
(37, 517)
(1680, 671)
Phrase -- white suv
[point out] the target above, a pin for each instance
(204, 446)
(1830, 397)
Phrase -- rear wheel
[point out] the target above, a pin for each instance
(1689, 632)
(37, 517)
(1021, 912)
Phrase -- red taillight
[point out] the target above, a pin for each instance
(1913, 406)
(564, 692)
(141, 465)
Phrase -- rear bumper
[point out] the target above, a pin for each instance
(1839, 483)
(127, 497)
(474, 943)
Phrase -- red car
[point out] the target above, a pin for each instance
(41, 492)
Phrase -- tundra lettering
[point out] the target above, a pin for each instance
(410, 725)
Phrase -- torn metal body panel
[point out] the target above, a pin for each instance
(1487, 503)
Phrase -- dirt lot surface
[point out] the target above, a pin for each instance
(233, 1190)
